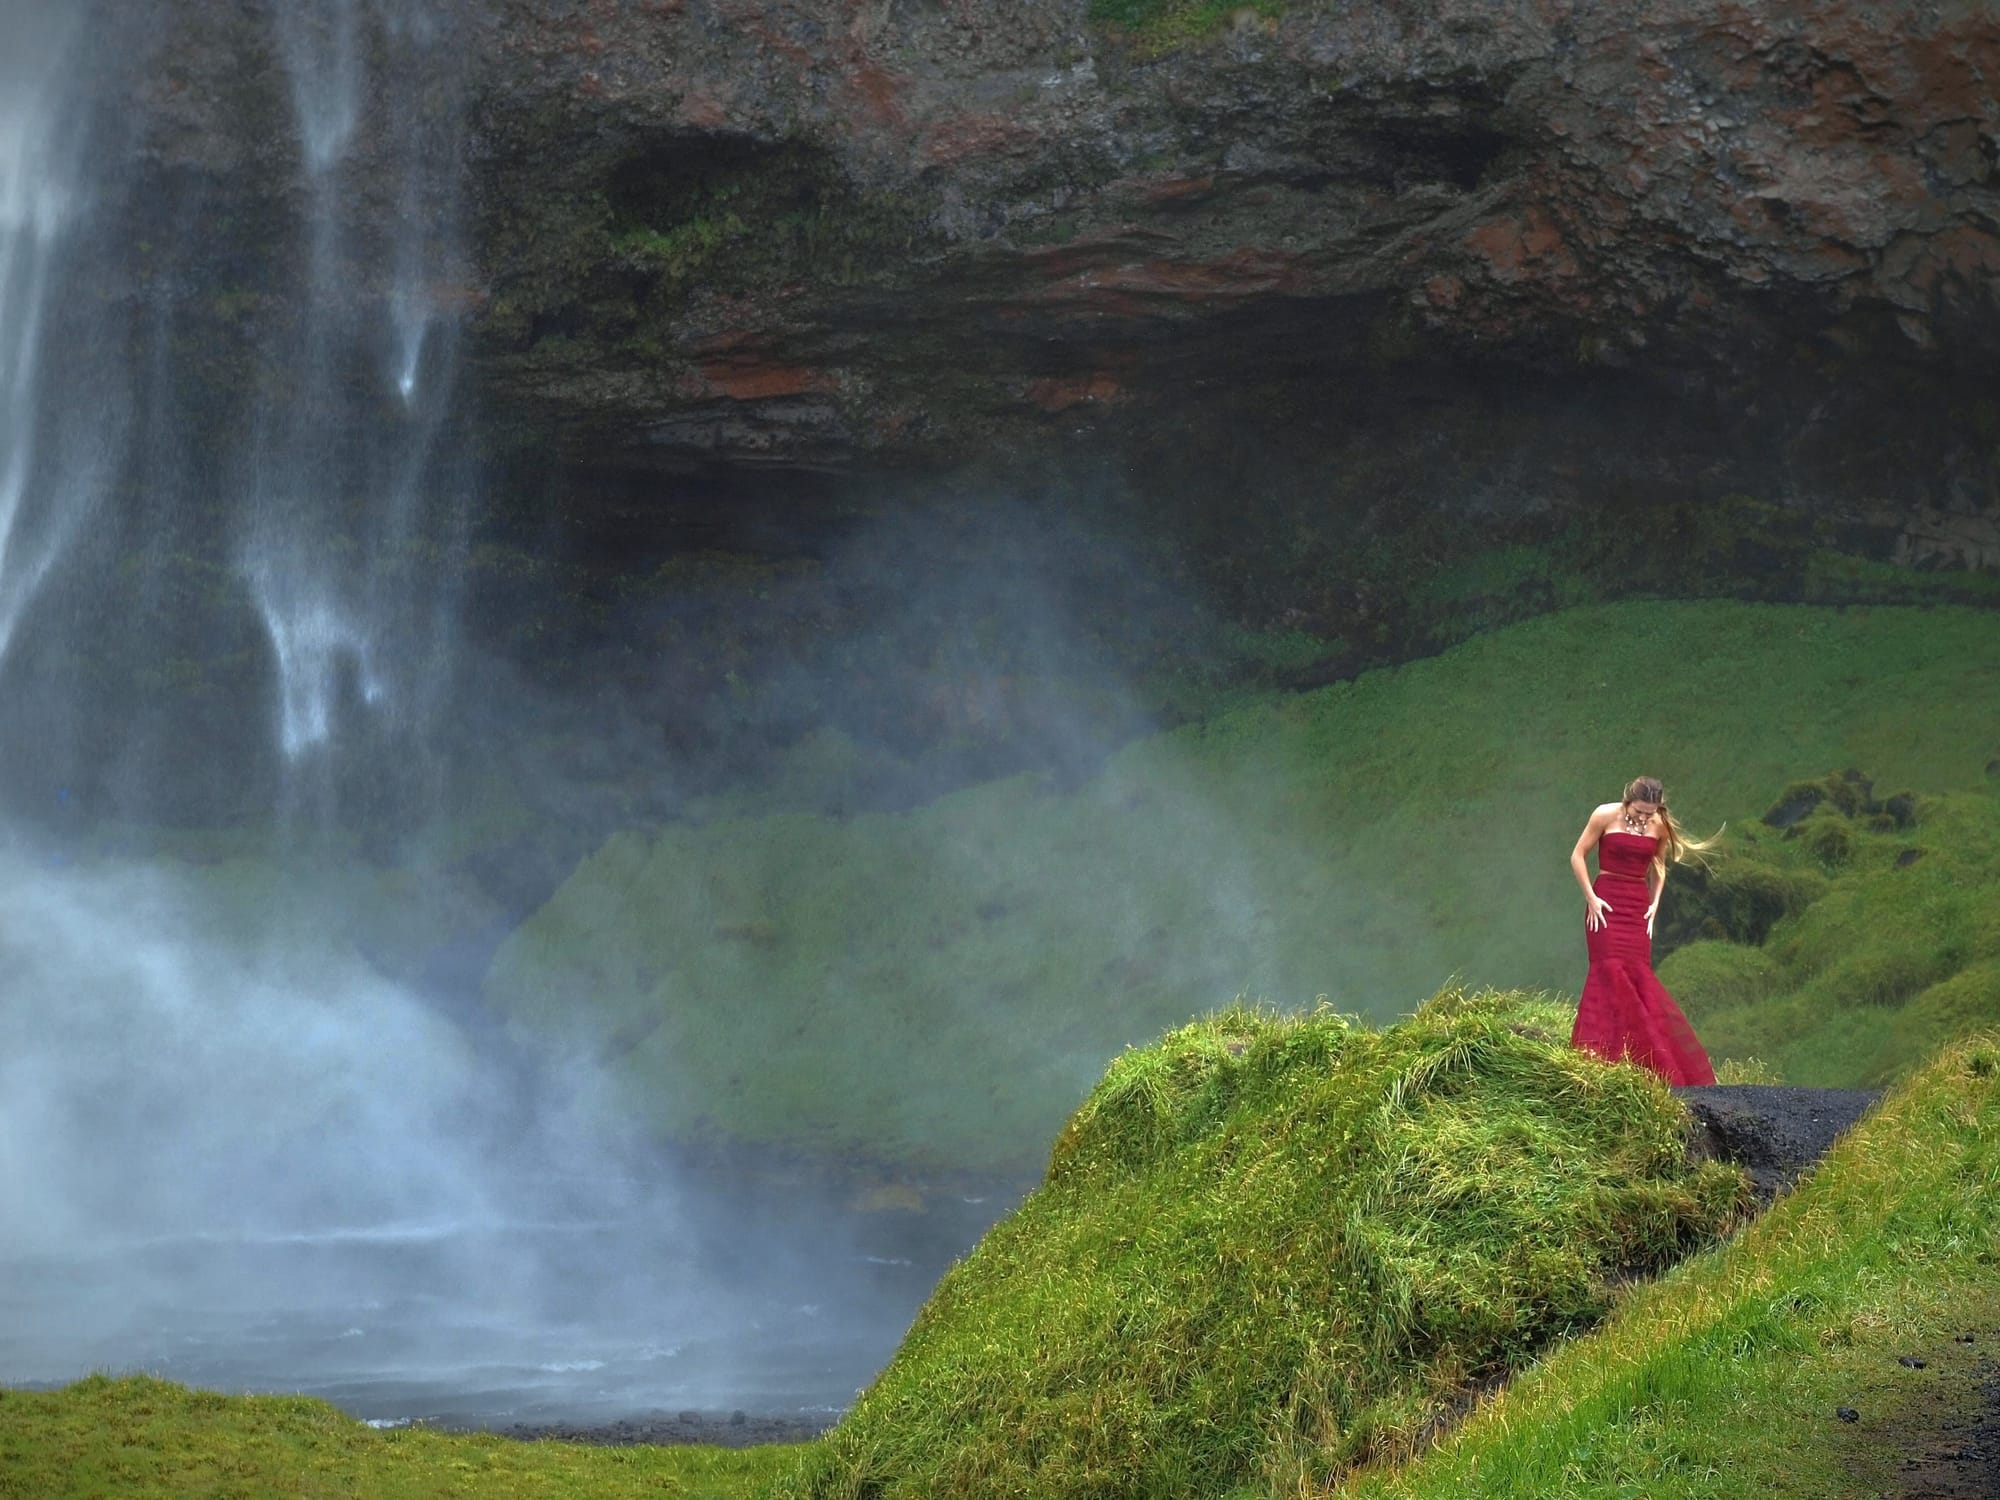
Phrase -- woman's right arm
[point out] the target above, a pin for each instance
(1594, 906)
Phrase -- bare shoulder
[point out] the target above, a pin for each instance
(1594, 826)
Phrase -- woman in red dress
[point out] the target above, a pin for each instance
(1625, 1012)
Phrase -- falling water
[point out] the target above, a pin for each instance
(229, 586)
(51, 471)
(238, 1145)
(359, 623)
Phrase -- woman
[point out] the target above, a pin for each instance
(1625, 1011)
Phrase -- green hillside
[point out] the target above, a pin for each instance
(944, 986)
(1724, 1379)
(1860, 946)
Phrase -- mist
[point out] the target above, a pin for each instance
(259, 823)
(504, 954)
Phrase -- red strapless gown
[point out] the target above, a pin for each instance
(1625, 1011)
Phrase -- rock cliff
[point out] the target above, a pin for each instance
(1696, 289)
(826, 233)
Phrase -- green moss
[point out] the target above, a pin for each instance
(735, 219)
(1268, 1248)
(1711, 976)
(1164, 24)
(1830, 840)
(1833, 576)
(1894, 957)
(1737, 900)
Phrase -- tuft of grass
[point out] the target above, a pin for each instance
(1269, 1247)
(1722, 1379)
(1161, 25)
(141, 1437)
(944, 985)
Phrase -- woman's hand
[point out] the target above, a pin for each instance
(1649, 920)
(1594, 908)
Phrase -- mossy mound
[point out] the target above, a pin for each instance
(1889, 946)
(1270, 1248)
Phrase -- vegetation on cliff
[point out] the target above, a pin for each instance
(1848, 944)
(1162, 24)
(1268, 1248)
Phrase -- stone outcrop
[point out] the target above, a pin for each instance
(1393, 240)
(1689, 290)
(832, 232)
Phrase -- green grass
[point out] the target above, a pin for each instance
(139, 1437)
(1161, 25)
(1894, 950)
(1269, 1251)
(944, 986)
(1721, 1379)
(1268, 1247)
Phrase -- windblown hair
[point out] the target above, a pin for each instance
(1675, 845)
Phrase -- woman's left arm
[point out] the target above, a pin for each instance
(1656, 879)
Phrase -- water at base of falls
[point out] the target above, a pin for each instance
(613, 1320)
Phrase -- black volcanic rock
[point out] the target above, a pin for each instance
(1774, 1133)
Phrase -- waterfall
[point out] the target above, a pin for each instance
(51, 470)
(349, 547)
(232, 486)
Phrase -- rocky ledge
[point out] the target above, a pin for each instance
(840, 235)
(828, 232)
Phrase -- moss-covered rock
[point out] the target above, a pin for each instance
(1737, 900)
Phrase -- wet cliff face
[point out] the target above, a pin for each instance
(727, 235)
(834, 235)
(1318, 301)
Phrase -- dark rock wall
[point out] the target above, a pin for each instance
(834, 233)
(838, 236)
(1317, 307)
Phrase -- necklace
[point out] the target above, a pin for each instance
(1635, 823)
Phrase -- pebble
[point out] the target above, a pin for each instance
(1847, 1414)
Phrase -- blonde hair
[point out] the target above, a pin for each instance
(1675, 845)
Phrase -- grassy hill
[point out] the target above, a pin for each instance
(945, 986)
(1844, 948)
(1268, 1254)
(1726, 1377)
(1268, 1248)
